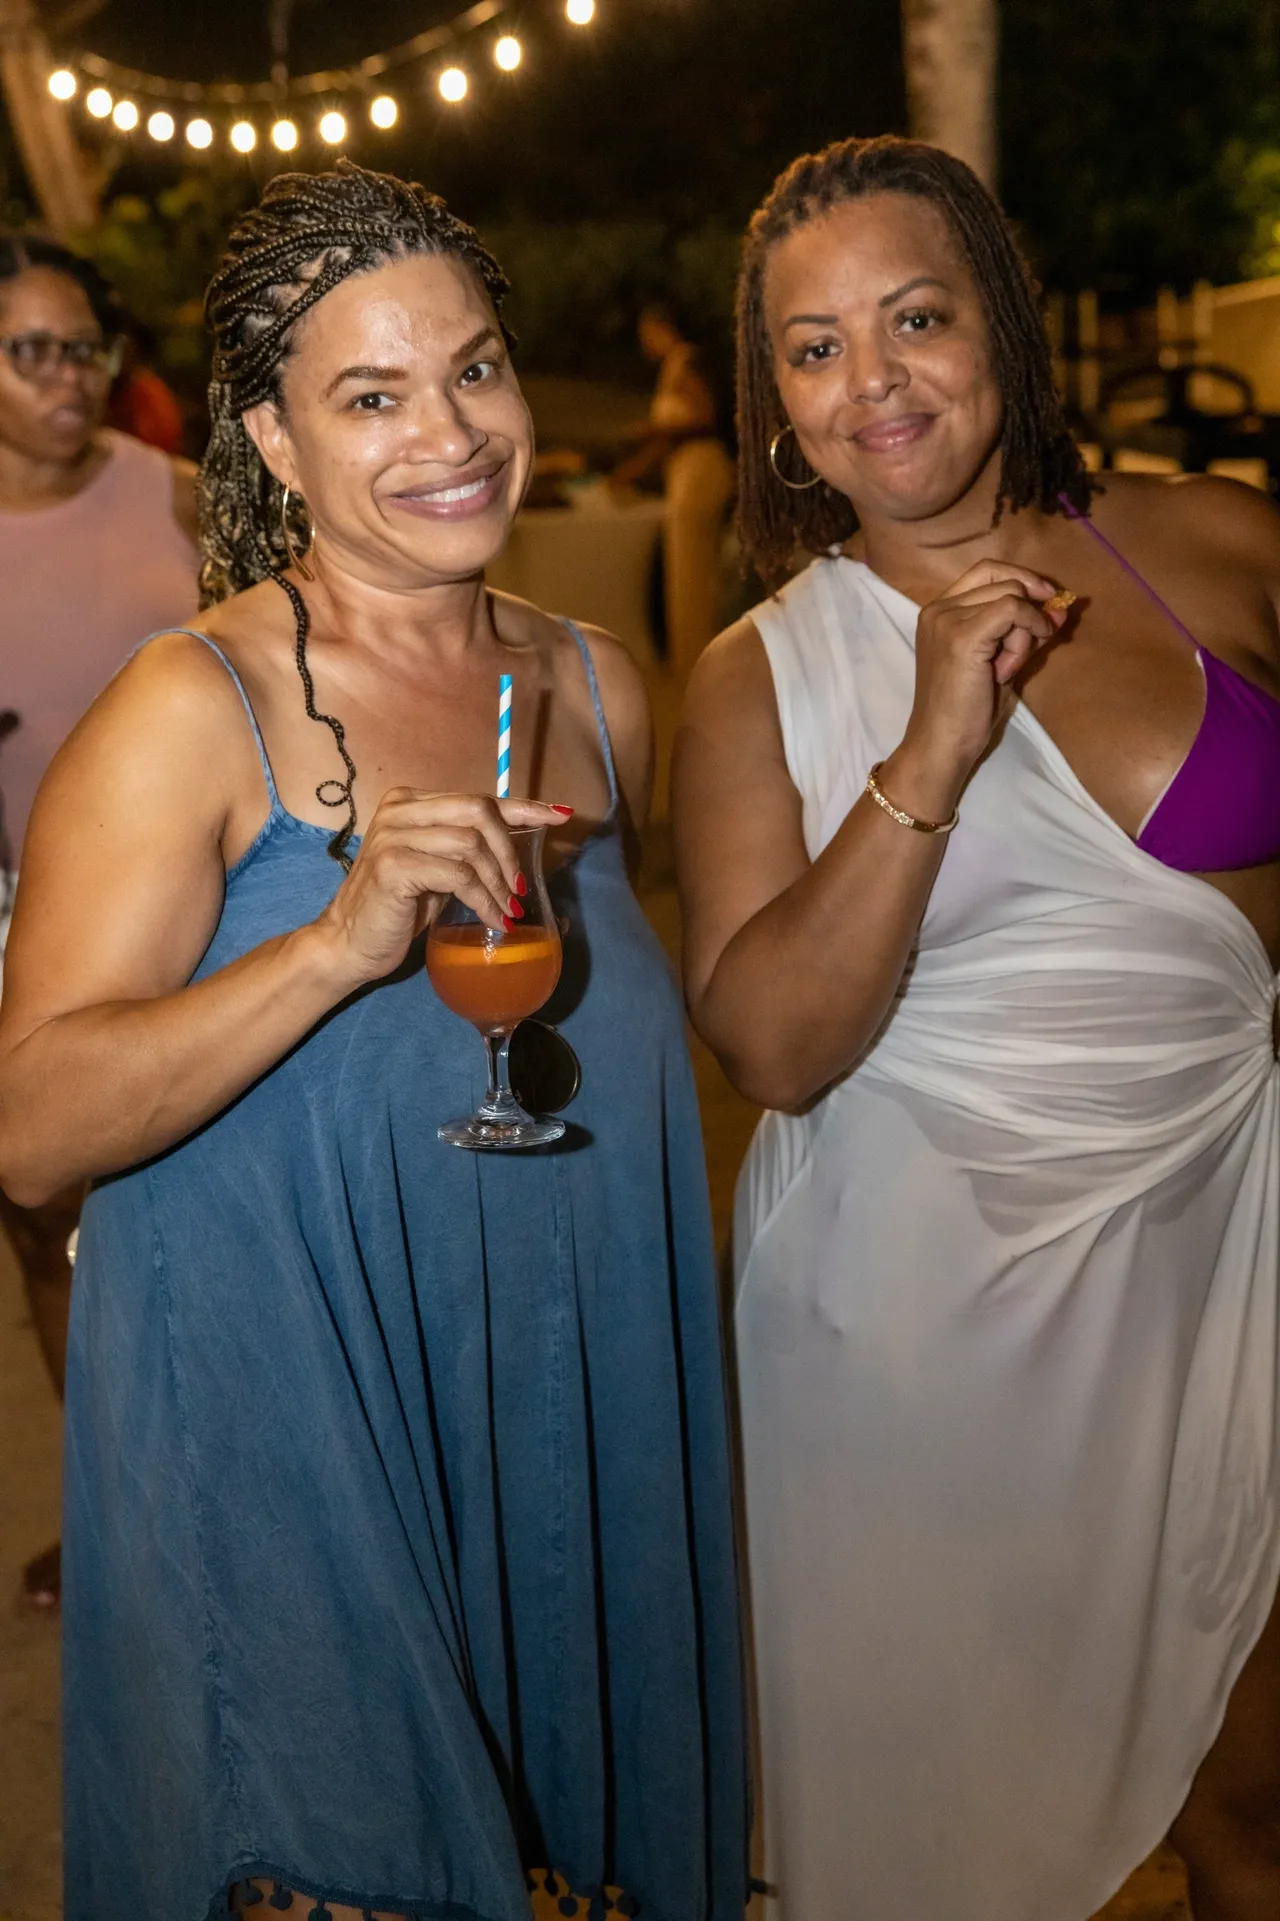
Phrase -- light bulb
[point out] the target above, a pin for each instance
(384, 112)
(99, 103)
(125, 116)
(453, 84)
(508, 53)
(160, 126)
(580, 12)
(62, 84)
(284, 135)
(244, 136)
(333, 129)
(199, 133)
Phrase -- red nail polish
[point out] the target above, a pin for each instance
(522, 885)
(566, 811)
(515, 909)
(507, 923)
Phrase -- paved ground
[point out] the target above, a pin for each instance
(29, 1838)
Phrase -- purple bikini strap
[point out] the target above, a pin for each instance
(1073, 513)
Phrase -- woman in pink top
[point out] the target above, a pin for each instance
(97, 550)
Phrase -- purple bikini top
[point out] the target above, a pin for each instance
(1221, 810)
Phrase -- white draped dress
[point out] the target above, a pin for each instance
(1007, 1341)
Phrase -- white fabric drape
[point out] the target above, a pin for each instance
(1007, 1339)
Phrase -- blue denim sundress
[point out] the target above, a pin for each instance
(398, 1548)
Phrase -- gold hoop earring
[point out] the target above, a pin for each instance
(796, 486)
(296, 559)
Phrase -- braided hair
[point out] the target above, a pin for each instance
(1039, 458)
(308, 233)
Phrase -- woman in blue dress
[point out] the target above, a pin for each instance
(399, 1565)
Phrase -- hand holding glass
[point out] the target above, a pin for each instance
(495, 980)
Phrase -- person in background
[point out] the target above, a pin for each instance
(681, 448)
(143, 403)
(97, 548)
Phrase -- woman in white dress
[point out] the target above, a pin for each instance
(1008, 1240)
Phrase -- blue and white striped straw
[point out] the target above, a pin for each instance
(504, 736)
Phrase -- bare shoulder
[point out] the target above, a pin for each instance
(732, 679)
(619, 677)
(628, 717)
(130, 835)
(729, 750)
(1197, 513)
(170, 718)
(737, 647)
(1228, 516)
(174, 677)
(736, 812)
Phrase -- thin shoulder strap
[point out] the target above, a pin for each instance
(214, 648)
(1073, 513)
(606, 745)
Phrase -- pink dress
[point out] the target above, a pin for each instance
(83, 582)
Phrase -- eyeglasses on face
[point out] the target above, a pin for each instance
(42, 356)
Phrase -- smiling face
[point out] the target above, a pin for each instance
(53, 418)
(882, 355)
(403, 425)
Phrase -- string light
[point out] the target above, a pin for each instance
(344, 85)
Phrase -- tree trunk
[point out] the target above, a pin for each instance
(950, 49)
(49, 153)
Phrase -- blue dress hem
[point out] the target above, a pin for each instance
(600, 1901)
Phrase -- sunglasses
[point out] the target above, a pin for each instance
(42, 356)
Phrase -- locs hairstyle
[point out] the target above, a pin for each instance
(1039, 458)
(308, 233)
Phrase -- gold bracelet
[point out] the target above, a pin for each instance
(900, 814)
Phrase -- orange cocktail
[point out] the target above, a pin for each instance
(493, 980)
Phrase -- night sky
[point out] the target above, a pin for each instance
(1129, 128)
(680, 107)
